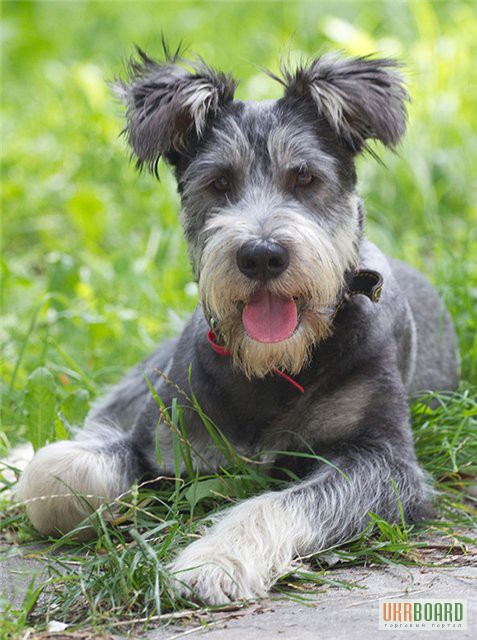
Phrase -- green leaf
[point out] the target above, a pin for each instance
(215, 488)
(88, 212)
(204, 489)
(40, 405)
(62, 428)
(75, 407)
(63, 277)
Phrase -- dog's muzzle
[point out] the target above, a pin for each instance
(267, 318)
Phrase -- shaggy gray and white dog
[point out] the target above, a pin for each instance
(291, 346)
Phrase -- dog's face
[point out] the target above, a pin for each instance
(269, 203)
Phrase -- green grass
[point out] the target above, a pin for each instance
(94, 271)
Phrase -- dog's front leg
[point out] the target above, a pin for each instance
(252, 544)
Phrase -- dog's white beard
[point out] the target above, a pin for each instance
(257, 359)
(315, 278)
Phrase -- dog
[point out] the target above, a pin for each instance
(306, 337)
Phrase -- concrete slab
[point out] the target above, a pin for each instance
(17, 570)
(339, 614)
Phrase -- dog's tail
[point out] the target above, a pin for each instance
(67, 480)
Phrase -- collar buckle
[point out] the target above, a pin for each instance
(368, 283)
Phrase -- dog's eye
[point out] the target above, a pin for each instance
(303, 177)
(221, 184)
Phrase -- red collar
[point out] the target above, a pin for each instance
(222, 351)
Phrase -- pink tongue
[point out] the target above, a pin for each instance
(269, 318)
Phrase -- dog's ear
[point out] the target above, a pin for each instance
(168, 104)
(361, 98)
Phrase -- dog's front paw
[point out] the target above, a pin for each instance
(204, 572)
(241, 557)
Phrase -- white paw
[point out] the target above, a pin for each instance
(243, 554)
(216, 577)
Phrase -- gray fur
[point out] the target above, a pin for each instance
(167, 104)
(357, 360)
(360, 97)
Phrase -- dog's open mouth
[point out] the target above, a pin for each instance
(269, 318)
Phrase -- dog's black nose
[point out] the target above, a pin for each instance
(262, 260)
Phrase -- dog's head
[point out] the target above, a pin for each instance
(269, 203)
